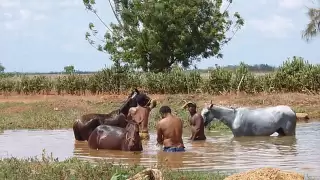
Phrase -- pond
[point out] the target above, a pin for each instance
(219, 152)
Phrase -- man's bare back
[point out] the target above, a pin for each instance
(140, 115)
(169, 131)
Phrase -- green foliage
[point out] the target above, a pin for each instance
(313, 27)
(2, 68)
(295, 75)
(157, 34)
(47, 168)
(69, 69)
(219, 81)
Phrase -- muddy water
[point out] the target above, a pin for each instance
(219, 152)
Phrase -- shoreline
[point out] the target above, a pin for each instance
(60, 111)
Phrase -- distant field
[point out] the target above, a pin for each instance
(206, 75)
(203, 74)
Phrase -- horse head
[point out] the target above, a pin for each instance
(206, 113)
(132, 137)
(132, 101)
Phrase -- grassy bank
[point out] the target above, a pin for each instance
(294, 75)
(49, 168)
(54, 112)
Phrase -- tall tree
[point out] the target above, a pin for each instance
(153, 35)
(313, 27)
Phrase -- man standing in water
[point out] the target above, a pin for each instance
(140, 114)
(169, 131)
(196, 122)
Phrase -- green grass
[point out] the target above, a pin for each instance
(42, 115)
(48, 168)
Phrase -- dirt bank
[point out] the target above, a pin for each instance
(302, 103)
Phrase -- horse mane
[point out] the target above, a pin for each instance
(224, 108)
(126, 102)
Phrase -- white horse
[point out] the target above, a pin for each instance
(253, 121)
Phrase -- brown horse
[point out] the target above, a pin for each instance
(83, 127)
(116, 138)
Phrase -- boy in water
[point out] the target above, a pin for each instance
(140, 114)
(169, 131)
(196, 122)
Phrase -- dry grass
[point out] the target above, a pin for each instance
(266, 174)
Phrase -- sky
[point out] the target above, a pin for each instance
(47, 35)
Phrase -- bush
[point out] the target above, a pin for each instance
(295, 75)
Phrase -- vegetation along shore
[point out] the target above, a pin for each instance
(49, 103)
(295, 75)
(50, 168)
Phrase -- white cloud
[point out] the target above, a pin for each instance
(24, 14)
(7, 15)
(39, 17)
(275, 26)
(9, 3)
(23, 19)
(291, 4)
(10, 25)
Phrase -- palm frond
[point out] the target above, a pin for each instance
(313, 27)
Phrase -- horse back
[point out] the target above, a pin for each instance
(106, 137)
(274, 113)
(87, 117)
(119, 121)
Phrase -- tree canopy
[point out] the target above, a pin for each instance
(153, 35)
(69, 69)
(313, 27)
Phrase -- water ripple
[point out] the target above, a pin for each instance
(219, 152)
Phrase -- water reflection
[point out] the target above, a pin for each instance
(281, 146)
(219, 152)
(81, 149)
(170, 160)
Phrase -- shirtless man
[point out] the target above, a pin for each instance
(140, 114)
(169, 131)
(196, 122)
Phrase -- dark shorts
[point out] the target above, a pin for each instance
(173, 149)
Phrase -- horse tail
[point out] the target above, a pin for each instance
(76, 130)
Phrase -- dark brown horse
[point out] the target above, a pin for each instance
(116, 138)
(83, 127)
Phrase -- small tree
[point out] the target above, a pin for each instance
(2, 68)
(69, 69)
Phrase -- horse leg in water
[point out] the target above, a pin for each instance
(289, 128)
(76, 131)
(280, 132)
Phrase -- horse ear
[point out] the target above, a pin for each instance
(136, 90)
